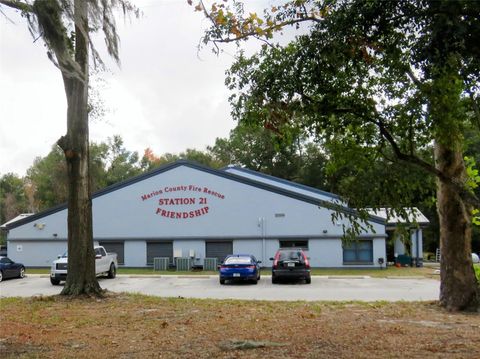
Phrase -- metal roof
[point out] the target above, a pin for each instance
(17, 218)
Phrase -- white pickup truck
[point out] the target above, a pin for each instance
(105, 264)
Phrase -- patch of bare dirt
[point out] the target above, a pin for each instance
(133, 326)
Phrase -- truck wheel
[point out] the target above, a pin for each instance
(1, 276)
(308, 280)
(22, 273)
(112, 272)
(54, 281)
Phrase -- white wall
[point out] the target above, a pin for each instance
(35, 253)
(244, 212)
(249, 246)
(198, 246)
(49, 227)
(325, 252)
(123, 214)
(379, 251)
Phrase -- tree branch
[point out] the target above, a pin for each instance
(18, 5)
(415, 79)
(276, 27)
(458, 186)
(253, 32)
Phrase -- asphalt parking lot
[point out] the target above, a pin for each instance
(321, 288)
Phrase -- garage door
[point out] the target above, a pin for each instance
(218, 250)
(115, 247)
(159, 249)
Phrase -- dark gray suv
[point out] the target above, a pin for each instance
(290, 263)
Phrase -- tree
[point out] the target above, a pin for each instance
(65, 26)
(150, 161)
(258, 148)
(48, 176)
(13, 200)
(121, 164)
(391, 77)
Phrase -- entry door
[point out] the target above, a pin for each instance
(218, 250)
(159, 249)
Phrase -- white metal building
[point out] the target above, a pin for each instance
(184, 209)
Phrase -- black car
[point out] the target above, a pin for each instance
(290, 263)
(10, 269)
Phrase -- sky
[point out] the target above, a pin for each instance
(165, 95)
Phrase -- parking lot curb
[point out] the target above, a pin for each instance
(348, 277)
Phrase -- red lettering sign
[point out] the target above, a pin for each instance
(183, 201)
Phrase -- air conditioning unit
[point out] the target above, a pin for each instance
(161, 263)
(184, 264)
(210, 264)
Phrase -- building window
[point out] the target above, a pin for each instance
(299, 243)
(360, 252)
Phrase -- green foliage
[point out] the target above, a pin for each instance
(48, 176)
(120, 163)
(473, 178)
(260, 149)
(472, 183)
(45, 184)
(376, 82)
(476, 267)
(13, 197)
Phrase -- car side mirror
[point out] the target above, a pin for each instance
(59, 256)
(259, 261)
(271, 259)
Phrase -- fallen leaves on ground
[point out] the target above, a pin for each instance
(136, 326)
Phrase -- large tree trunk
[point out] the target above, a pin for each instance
(458, 288)
(81, 277)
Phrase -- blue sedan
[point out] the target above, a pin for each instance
(240, 267)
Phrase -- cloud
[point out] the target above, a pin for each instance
(164, 96)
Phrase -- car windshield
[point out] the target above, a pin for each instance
(290, 255)
(238, 260)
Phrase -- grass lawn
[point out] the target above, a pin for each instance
(136, 326)
(390, 271)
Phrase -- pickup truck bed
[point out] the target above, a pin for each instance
(105, 264)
